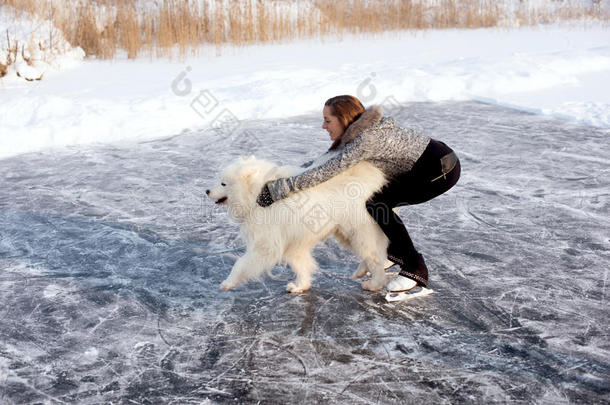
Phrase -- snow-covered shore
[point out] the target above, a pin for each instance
(556, 70)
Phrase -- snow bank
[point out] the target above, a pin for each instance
(29, 46)
(557, 70)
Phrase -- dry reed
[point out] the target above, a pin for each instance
(177, 27)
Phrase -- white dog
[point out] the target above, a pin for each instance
(287, 231)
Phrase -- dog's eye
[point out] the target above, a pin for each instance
(223, 184)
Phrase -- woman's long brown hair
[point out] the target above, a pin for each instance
(347, 109)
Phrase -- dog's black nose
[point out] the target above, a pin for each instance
(207, 192)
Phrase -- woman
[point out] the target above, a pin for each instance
(418, 169)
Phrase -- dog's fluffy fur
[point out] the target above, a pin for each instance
(287, 231)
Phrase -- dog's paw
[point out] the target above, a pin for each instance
(295, 289)
(361, 270)
(371, 285)
(225, 285)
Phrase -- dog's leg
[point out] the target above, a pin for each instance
(377, 280)
(345, 241)
(342, 239)
(361, 271)
(303, 265)
(247, 267)
(371, 245)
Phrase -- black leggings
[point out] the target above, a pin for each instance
(435, 172)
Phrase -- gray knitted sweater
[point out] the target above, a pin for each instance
(372, 137)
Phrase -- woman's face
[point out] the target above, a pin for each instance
(332, 125)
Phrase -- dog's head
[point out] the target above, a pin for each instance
(241, 183)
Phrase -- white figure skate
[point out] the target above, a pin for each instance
(402, 288)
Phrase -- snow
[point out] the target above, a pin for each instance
(559, 70)
(39, 46)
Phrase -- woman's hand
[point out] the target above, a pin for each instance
(264, 198)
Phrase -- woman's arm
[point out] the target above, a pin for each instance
(353, 153)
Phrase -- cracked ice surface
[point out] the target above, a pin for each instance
(111, 258)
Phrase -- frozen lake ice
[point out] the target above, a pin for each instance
(111, 258)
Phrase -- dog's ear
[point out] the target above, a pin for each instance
(247, 159)
(250, 173)
(254, 172)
